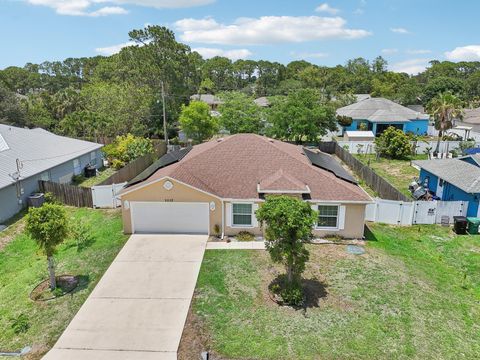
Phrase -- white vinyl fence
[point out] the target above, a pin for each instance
(411, 213)
(368, 147)
(105, 196)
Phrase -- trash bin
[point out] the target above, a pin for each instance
(473, 224)
(36, 200)
(460, 225)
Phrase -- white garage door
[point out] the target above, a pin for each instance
(170, 217)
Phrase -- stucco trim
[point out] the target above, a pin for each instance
(169, 178)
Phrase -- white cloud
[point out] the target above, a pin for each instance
(389, 51)
(110, 50)
(464, 53)
(412, 66)
(400, 30)
(418, 51)
(89, 7)
(327, 9)
(233, 54)
(266, 30)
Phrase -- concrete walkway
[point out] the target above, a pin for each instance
(139, 307)
(236, 245)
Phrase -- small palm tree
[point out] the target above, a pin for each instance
(48, 226)
(444, 108)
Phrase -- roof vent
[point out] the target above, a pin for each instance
(271, 140)
(3, 144)
(220, 140)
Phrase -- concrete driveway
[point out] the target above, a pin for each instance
(139, 307)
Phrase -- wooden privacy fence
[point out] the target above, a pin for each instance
(68, 194)
(129, 171)
(381, 186)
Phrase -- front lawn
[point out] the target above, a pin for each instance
(22, 267)
(399, 173)
(414, 294)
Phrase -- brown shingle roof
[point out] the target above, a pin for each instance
(233, 168)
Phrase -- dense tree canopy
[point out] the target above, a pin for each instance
(122, 93)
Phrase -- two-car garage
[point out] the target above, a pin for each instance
(169, 217)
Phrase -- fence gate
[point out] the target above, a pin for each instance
(425, 212)
(105, 196)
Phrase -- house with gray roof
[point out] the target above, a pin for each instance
(29, 155)
(377, 114)
(209, 99)
(452, 180)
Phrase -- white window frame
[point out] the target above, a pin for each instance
(252, 215)
(336, 227)
(93, 156)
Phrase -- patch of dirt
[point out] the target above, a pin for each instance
(65, 285)
(195, 340)
(9, 234)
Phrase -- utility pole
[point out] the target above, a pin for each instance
(164, 115)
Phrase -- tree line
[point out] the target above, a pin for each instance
(102, 96)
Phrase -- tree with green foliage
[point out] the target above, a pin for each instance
(11, 110)
(344, 121)
(48, 226)
(393, 144)
(127, 148)
(301, 117)
(240, 114)
(444, 108)
(289, 222)
(196, 121)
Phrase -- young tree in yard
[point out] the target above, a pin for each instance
(289, 222)
(240, 114)
(393, 144)
(444, 108)
(48, 226)
(196, 121)
(302, 116)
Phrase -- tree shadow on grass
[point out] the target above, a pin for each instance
(83, 282)
(369, 235)
(313, 290)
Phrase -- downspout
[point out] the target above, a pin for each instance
(223, 220)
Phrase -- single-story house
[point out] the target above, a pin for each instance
(209, 99)
(473, 159)
(452, 180)
(216, 187)
(29, 155)
(378, 114)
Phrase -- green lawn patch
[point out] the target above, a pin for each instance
(399, 173)
(22, 267)
(103, 174)
(414, 294)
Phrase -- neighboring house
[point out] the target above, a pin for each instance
(216, 187)
(209, 99)
(452, 180)
(29, 155)
(473, 159)
(378, 114)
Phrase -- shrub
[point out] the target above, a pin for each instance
(127, 148)
(50, 198)
(82, 233)
(245, 236)
(393, 143)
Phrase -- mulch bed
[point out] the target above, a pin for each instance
(66, 284)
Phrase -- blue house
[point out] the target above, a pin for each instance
(29, 155)
(452, 180)
(378, 114)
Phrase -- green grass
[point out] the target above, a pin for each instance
(103, 174)
(399, 173)
(22, 267)
(407, 298)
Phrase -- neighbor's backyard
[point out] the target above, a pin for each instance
(415, 294)
(22, 267)
(399, 173)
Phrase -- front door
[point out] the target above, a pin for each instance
(440, 185)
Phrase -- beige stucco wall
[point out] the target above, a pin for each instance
(179, 193)
(354, 224)
(354, 213)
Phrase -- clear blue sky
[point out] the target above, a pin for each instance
(407, 33)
